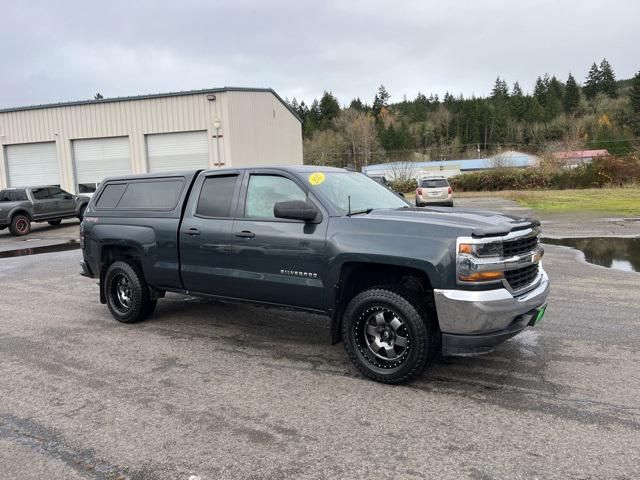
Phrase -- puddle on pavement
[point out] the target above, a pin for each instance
(611, 252)
(62, 247)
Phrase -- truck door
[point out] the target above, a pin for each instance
(277, 260)
(65, 205)
(44, 205)
(206, 233)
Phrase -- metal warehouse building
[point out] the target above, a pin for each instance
(76, 145)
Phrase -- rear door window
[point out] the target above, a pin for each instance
(41, 193)
(216, 196)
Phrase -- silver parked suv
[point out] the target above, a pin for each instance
(434, 191)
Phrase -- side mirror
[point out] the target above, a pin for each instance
(295, 210)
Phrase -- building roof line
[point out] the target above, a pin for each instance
(152, 96)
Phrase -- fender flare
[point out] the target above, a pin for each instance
(17, 211)
(81, 205)
(426, 268)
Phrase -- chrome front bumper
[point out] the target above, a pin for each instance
(474, 322)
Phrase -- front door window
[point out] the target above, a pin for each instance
(265, 191)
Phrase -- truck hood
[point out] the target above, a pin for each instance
(480, 223)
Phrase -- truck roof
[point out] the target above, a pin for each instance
(28, 188)
(191, 173)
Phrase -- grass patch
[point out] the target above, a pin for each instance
(619, 201)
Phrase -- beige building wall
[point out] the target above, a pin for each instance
(262, 130)
(254, 127)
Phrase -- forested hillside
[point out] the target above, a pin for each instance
(600, 112)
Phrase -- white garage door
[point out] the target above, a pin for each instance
(98, 158)
(177, 151)
(32, 164)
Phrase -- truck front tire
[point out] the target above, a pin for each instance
(127, 293)
(20, 225)
(388, 334)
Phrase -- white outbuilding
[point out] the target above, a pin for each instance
(76, 145)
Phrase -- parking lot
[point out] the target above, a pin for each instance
(211, 390)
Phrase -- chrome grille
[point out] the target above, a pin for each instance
(521, 277)
(519, 246)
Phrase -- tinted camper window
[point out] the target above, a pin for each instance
(158, 194)
(13, 196)
(155, 194)
(111, 195)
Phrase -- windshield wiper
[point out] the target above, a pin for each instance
(361, 212)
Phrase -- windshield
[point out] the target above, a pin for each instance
(365, 193)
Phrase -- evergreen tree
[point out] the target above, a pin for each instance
(357, 104)
(518, 102)
(592, 83)
(517, 90)
(380, 101)
(634, 95)
(540, 89)
(500, 89)
(389, 138)
(314, 111)
(571, 96)
(329, 109)
(607, 83)
(421, 107)
(549, 92)
(312, 119)
(554, 98)
(448, 99)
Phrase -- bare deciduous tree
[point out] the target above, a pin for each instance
(326, 147)
(403, 171)
(359, 130)
(502, 160)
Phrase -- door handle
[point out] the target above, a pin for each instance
(192, 231)
(245, 234)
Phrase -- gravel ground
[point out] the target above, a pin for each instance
(211, 390)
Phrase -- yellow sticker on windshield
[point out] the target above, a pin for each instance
(316, 178)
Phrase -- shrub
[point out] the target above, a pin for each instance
(404, 186)
(605, 171)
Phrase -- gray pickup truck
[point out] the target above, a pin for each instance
(398, 283)
(21, 206)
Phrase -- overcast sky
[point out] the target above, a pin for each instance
(69, 50)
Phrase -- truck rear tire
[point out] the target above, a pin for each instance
(388, 334)
(127, 293)
(20, 225)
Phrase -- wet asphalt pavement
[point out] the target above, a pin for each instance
(214, 391)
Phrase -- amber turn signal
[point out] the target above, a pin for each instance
(482, 276)
(465, 248)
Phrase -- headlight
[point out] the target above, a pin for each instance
(492, 249)
(469, 270)
(479, 262)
